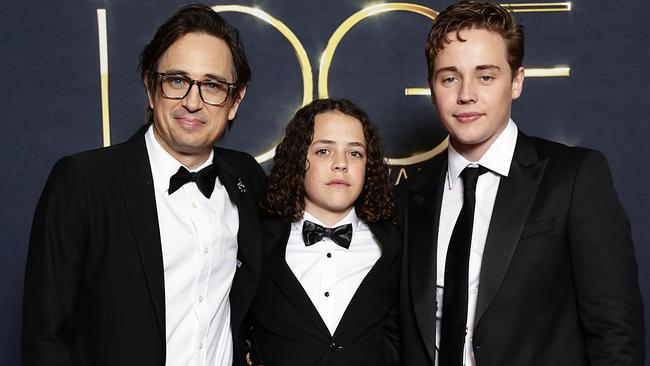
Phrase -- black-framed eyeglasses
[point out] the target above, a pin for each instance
(213, 92)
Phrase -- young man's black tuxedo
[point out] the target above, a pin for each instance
(94, 285)
(558, 280)
(288, 329)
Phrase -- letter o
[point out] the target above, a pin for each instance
(337, 36)
(301, 54)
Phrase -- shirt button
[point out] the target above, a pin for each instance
(329, 255)
(327, 294)
(473, 291)
(201, 345)
(200, 298)
(206, 250)
(194, 205)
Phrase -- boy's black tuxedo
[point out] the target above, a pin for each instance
(288, 329)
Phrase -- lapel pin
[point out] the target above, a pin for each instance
(238, 263)
(241, 186)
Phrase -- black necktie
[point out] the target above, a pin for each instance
(313, 233)
(204, 179)
(454, 301)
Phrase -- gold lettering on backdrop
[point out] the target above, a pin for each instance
(400, 175)
(326, 61)
(539, 7)
(337, 36)
(303, 59)
(344, 28)
(103, 75)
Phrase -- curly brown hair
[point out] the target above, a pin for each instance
(285, 193)
(480, 15)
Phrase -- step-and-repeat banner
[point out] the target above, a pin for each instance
(70, 83)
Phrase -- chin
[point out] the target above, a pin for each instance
(469, 139)
(340, 208)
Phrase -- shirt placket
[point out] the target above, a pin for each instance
(328, 281)
(199, 218)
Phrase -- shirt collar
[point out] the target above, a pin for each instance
(350, 218)
(497, 158)
(163, 165)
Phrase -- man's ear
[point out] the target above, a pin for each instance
(149, 92)
(237, 98)
(518, 82)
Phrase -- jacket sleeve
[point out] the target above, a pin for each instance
(604, 268)
(54, 268)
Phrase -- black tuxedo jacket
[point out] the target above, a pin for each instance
(94, 291)
(288, 329)
(558, 281)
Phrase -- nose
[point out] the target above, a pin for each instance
(192, 101)
(467, 93)
(340, 163)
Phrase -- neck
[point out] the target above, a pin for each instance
(191, 161)
(471, 153)
(328, 218)
(474, 152)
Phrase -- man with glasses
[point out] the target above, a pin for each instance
(148, 252)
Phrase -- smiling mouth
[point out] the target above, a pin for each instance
(189, 121)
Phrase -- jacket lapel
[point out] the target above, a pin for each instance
(511, 209)
(140, 201)
(248, 239)
(421, 222)
(388, 237)
(277, 232)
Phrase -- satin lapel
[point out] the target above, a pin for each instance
(388, 237)
(249, 253)
(140, 201)
(511, 209)
(275, 245)
(421, 223)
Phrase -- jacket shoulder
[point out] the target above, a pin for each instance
(551, 149)
(568, 159)
(424, 176)
(100, 162)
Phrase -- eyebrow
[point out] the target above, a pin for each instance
(477, 68)
(487, 67)
(332, 142)
(448, 68)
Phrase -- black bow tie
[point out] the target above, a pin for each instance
(204, 179)
(313, 233)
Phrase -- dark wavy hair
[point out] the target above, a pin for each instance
(285, 194)
(480, 15)
(194, 18)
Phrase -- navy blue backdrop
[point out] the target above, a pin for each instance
(594, 55)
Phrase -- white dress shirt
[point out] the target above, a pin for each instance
(199, 249)
(497, 159)
(329, 273)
